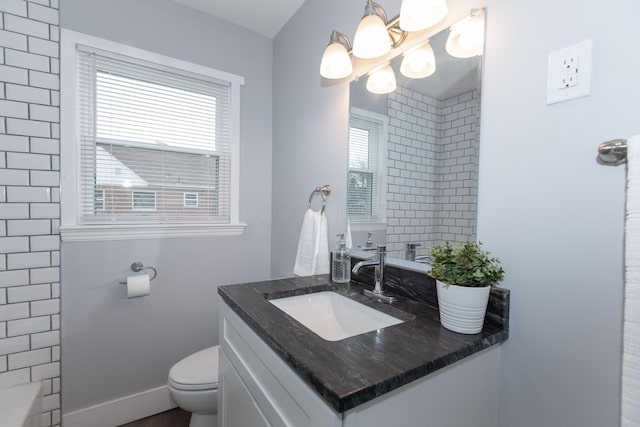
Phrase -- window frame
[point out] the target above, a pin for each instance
(72, 228)
(378, 223)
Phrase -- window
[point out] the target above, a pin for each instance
(145, 127)
(98, 201)
(143, 201)
(190, 200)
(365, 179)
(155, 138)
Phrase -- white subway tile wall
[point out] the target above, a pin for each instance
(432, 181)
(29, 199)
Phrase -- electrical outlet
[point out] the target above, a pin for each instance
(570, 63)
(569, 74)
(568, 79)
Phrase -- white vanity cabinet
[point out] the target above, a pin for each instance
(258, 389)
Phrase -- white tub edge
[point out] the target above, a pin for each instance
(21, 405)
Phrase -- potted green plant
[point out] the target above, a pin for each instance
(464, 275)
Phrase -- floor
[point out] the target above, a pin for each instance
(173, 418)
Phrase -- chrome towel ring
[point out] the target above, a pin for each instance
(613, 153)
(324, 191)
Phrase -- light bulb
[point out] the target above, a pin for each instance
(335, 63)
(372, 38)
(466, 38)
(382, 80)
(416, 15)
(419, 63)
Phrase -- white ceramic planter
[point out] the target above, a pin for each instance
(462, 309)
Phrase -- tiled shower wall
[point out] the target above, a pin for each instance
(29, 199)
(459, 170)
(412, 169)
(432, 169)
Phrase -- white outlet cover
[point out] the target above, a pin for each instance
(556, 92)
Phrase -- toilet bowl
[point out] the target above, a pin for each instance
(193, 385)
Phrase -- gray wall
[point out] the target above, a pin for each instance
(310, 128)
(552, 214)
(113, 347)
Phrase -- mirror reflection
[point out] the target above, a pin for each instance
(413, 157)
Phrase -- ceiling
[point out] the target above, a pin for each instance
(266, 17)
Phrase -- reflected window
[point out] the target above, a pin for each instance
(367, 136)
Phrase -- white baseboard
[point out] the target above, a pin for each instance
(121, 411)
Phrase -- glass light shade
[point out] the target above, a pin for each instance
(466, 38)
(372, 39)
(382, 80)
(419, 63)
(416, 15)
(335, 63)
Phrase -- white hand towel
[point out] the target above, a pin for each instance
(347, 236)
(313, 246)
(630, 414)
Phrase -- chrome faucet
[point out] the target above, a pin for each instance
(410, 254)
(410, 251)
(378, 261)
(425, 259)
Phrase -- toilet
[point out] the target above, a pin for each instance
(193, 386)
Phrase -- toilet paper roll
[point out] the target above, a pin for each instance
(138, 286)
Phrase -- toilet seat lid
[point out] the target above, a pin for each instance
(196, 372)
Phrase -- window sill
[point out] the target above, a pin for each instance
(87, 233)
(357, 225)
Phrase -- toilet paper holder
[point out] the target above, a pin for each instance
(138, 267)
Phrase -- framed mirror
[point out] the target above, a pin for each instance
(413, 157)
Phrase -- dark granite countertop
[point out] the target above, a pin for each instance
(354, 370)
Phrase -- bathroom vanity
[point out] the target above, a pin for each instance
(276, 372)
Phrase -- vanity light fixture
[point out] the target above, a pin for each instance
(419, 62)
(416, 15)
(466, 38)
(381, 80)
(375, 36)
(336, 63)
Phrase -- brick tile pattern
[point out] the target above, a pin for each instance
(432, 170)
(29, 199)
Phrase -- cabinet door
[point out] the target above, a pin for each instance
(280, 396)
(238, 408)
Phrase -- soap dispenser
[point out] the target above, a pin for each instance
(369, 243)
(341, 263)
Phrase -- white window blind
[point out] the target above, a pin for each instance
(366, 137)
(148, 129)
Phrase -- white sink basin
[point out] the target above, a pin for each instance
(333, 316)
